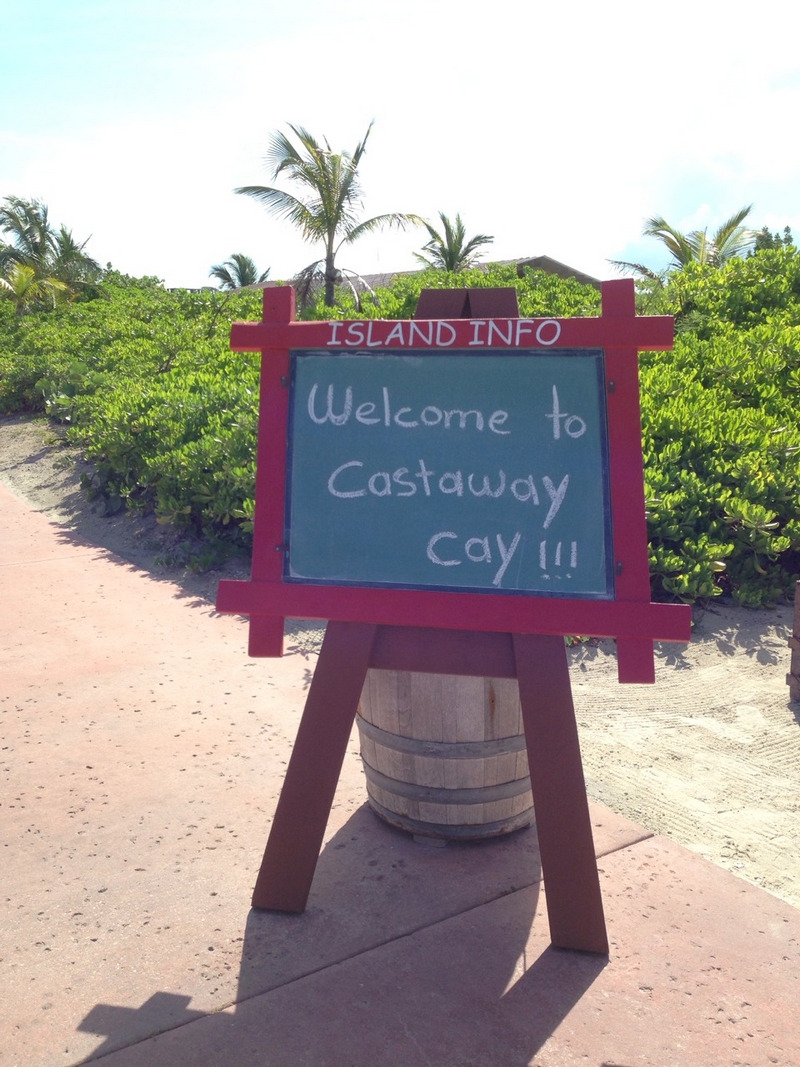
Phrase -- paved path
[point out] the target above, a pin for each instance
(142, 755)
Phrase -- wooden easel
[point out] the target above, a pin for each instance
(421, 629)
(538, 662)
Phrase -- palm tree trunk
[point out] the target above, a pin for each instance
(330, 278)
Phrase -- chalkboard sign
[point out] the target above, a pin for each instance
(450, 470)
(475, 473)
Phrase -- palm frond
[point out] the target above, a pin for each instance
(624, 267)
(237, 272)
(307, 281)
(678, 244)
(392, 220)
(732, 238)
(26, 289)
(284, 205)
(450, 249)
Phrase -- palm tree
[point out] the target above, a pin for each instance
(51, 254)
(237, 272)
(71, 264)
(328, 210)
(27, 222)
(22, 285)
(729, 241)
(450, 250)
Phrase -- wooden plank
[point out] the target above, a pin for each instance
(458, 611)
(650, 333)
(266, 636)
(420, 648)
(298, 828)
(635, 662)
(566, 847)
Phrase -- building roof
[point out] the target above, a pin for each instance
(545, 263)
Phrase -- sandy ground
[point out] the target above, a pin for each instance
(709, 756)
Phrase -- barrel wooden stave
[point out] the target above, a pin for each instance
(445, 755)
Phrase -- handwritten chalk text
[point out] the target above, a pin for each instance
(383, 413)
(348, 482)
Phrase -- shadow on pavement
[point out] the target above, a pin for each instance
(421, 972)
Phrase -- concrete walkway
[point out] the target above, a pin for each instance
(142, 756)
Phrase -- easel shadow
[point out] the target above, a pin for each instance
(406, 954)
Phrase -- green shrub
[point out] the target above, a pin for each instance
(721, 436)
(181, 444)
(147, 383)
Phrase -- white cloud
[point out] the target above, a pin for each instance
(557, 130)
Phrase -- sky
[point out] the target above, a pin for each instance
(558, 129)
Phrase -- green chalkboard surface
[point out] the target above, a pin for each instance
(480, 472)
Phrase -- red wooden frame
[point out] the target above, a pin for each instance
(630, 617)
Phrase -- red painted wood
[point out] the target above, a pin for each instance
(635, 661)
(487, 303)
(625, 449)
(298, 828)
(415, 648)
(650, 332)
(265, 636)
(467, 304)
(563, 824)
(444, 304)
(458, 611)
(267, 564)
(619, 298)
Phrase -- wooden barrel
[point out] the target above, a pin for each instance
(445, 756)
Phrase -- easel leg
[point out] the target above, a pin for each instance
(301, 816)
(569, 867)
